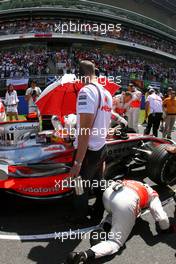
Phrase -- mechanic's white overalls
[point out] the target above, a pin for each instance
(124, 206)
(134, 110)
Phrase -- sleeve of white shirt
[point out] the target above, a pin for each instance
(138, 95)
(87, 101)
(28, 91)
(39, 91)
(6, 99)
(16, 97)
(148, 98)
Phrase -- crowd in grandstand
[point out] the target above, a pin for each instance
(89, 28)
(23, 63)
(114, 65)
(37, 62)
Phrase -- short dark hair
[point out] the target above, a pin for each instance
(86, 68)
(33, 81)
(8, 87)
(97, 72)
(127, 93)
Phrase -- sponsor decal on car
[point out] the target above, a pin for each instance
(54, 148)
(27, 127)
(39, 190)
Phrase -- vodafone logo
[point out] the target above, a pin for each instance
(106, 108)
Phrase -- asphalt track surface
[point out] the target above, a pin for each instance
(29, 233)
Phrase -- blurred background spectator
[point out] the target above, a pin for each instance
(11, 102)
(26, 62)
(169, 105)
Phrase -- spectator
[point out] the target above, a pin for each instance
(169, 92)
(154, 108)
(169, 105)
(31, 96)
(11, 102)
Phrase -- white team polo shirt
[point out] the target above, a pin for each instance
(88, 102)
(155, 103)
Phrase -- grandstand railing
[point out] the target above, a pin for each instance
(86, 37)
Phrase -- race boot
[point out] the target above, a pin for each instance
(80, 257)
(172, 228)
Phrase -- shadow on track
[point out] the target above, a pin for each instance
(55, 252)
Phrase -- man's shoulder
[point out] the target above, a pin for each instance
(166, 100)
(28, 90)
(149, 97)
(89, 89)
(38, 88)
(138, 91)
(118, 95)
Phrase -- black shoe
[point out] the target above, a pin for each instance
(172, 228)
(76, 258)
(81, 257)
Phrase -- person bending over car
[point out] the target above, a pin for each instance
(123, 200)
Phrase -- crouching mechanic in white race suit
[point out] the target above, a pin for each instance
(123, 200)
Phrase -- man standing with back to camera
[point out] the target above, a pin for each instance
(155, 110)
(94, 105)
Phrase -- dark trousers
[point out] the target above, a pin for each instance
(154, 120)
(92, 172)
